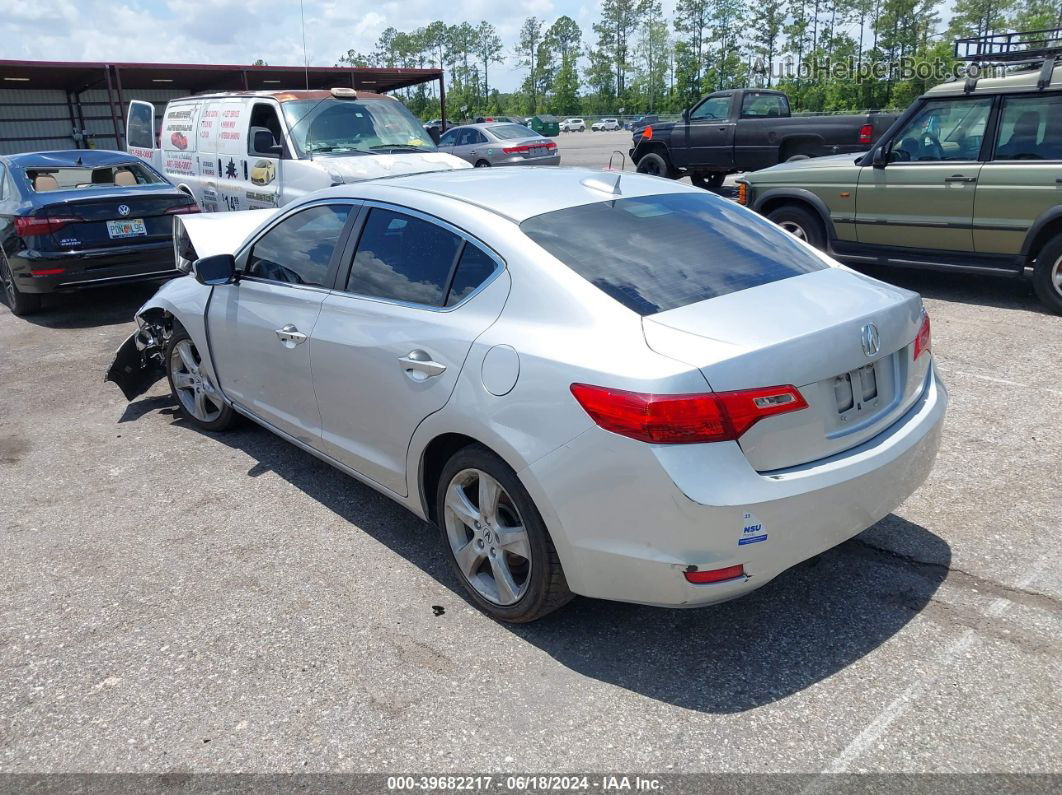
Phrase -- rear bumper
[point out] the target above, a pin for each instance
(552, 160)
(628, 518)
(75, 270)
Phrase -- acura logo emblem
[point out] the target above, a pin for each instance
(871, 339)
(123, 209)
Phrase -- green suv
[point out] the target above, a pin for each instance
(969, 178)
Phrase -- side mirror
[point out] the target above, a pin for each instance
(880, 158)
(435, 134)
(264, 143)
(215, 270)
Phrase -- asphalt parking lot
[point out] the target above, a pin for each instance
(179, 601)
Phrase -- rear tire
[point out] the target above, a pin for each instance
(482, 164)
(800, 223)
(495, 539)
(1047, 275)
(20, 303)
(655, 165)
(198, 399)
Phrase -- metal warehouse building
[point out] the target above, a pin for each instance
(64, 105)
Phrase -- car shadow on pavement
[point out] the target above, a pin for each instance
(806, 625)
(964, 288)
(103, 306)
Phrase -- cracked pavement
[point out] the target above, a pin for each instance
(176, 601)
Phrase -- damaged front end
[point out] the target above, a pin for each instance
(141, 361)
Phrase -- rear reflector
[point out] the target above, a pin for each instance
(715, 575)
(47, 271)
(924, 341)
(684, 419)
(33, 226)
(866, 134)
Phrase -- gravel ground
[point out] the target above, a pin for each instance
(177, 601)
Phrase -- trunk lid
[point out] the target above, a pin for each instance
(806, 331)
(136, 216)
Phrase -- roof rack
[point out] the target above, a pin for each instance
(1021, 48)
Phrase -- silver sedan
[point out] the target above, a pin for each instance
(593, 383)
(500, 144)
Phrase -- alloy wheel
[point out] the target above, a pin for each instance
(795, 229)
(487, 537)
(193, 387)
(1056, 276)
(8, 282)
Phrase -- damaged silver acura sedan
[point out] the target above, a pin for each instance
(615, 386)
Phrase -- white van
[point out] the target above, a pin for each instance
(257, 149)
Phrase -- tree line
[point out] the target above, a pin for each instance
(828, 55)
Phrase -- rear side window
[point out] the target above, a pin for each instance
(299, 249)
(403, 258)
(755, 106)
(1030, 128)
(474, 268)
(656, 253)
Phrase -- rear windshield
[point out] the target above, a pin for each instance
(507, 132)
(656, 253)
(84, 177)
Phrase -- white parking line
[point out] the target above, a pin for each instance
(873, 732)
(994, 380)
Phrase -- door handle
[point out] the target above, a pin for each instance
(419, 366)
(290, 336)
(959, 178)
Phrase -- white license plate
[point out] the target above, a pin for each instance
(133, 227)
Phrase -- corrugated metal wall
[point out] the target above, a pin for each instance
(36, 120)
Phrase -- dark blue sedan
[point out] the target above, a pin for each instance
(83, 218)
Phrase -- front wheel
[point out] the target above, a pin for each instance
(655, 165)
(800, 223)
(1047, 275)
(20, 303)
(496, 540)
(199, 400)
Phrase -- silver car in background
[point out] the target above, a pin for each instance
(500, 144)
(593, 383)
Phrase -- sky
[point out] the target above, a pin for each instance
(223, 32)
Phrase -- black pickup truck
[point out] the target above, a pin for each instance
(747, 129)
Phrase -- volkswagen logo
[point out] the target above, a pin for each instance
(871, 339)
(123, 209)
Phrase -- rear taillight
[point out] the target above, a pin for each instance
(924, 341)
(866, 134)
(647, 133)
(516, 150)
(33, 226)
(684, 419)
(715, 575)
(181, 209)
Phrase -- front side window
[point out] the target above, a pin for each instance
(449, 138)
(758, 106)
(655, 253)
(1030, 128)
(403, 258)
(944, 129)
(346, 126)
(299, 249)
(713, 109)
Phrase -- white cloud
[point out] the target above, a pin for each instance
(233, 31)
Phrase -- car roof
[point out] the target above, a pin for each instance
(282, 95)
(1017, 81)
(516, 193)
(70, 158)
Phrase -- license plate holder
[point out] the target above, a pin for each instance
(857, 392)
(126, 227)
